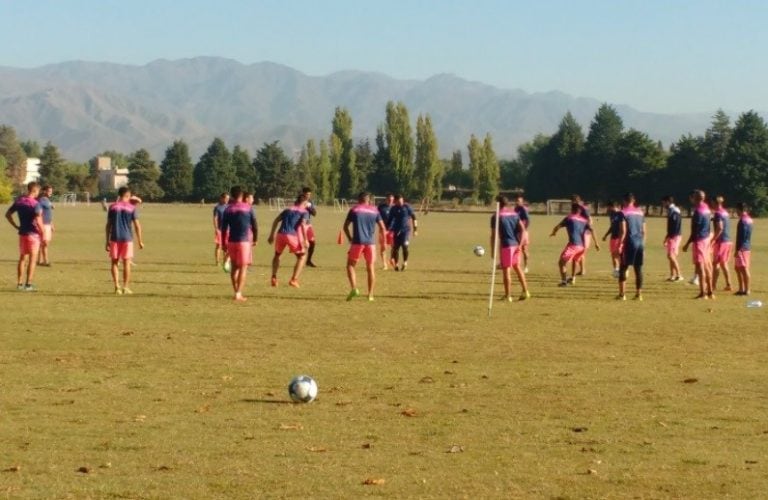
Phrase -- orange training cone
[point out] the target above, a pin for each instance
(340, 238)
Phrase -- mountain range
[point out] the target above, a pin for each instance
(88, 107)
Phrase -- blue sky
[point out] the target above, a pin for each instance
(666, 56)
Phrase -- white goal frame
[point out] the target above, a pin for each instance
(276, 204)
(340, 205)
(554, 204)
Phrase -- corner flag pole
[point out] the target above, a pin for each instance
(493, 261)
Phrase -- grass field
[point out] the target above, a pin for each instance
(176, 392)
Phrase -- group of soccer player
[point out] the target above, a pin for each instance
(236, 232)
(710, 241)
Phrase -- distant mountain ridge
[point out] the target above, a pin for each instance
(87, 107)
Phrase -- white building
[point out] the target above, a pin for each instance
(110, 179)
(33, 170)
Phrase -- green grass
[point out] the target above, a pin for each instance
(178, 392)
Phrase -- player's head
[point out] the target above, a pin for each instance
(719, 201)
(390, 198)
(303, 198)
(223, 197)
(307, 191)
(698, 196)
(236, 193)
(47, 190)
(575, 208)
(575, 198)
(667, 201)
(124, 193)
(33, 189)
(502, 201)
(248, 198)
(742, 208)
(399, 199)
(629, 199)
(364, 197)
(613, 206)
(519, 200)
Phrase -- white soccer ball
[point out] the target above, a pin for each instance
(302, 389)
(479, 251)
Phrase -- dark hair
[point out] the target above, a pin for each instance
(388, 195)
(246, 194)
(575, 198)
(742, 207)
(502, 200)
(668, 199)
(223, 195)
(362, 196)
(399, 196)
(302, 198)
(123, 191)
(698, 193)
(47, 187)
(236, 192)
(575, 208)
(32, 185)
(306, 190)
(629, 197)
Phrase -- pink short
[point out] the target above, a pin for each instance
(240, 253)
(390, 238)
(292, 241)
(356, 250)
(572, 253)
(702, 251)
(310, 233)
(743, 258)
(721, 252)
(121, 250)
(217, 238)
(47, 233)
(29, 244)
(673, 246)
(510, 256)
(615, 246)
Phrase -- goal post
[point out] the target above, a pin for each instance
(558, 207)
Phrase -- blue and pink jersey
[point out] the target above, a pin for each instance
(616, 218)
(722, 216)
(384, 209)
(27, 209)
(218, 213)
(674, 222)
(292, 218)
(635, 219)
(364, 219)
(47, 207)
(577, 226)
(700, 225)
(744, 233)
(121, 215)
(398, 218)
(522, 212)
(239, 223)
(509, 221)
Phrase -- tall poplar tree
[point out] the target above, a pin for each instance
(176, 177)
(344, 154)
(400, 146)
(214, 173)
(428, 167)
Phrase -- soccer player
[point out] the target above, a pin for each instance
(240, 234)
(584, 213)
(673, 237)
(220, 252)
(384, 209)
(364, 218)
(293, 235)
(577, 227)
(743, 248)
(525, 238)
(312, 212)
(633, 231)
(722, 246)
(30, 229)
(401, 220)
(615, 218)
(701, 237)
(511, 233)
(47, 206)
(122, 220)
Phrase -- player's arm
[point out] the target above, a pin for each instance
(303, 234)
(345, 228)
(605, 236)
(594, 237)
(139, 236)
(414, 223)
(216, 221)
(690, 237)
(645, 231)
(254, 228)
(39, 224)
(108, 231)
(274, 228)
(557, 228)
(718, 229)
(312, 210)
(9, 217)
(521, 229)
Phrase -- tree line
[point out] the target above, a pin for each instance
(600, 165)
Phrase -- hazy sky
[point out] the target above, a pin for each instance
(656, 55)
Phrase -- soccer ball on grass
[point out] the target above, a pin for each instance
(479, 251)
(302, 389)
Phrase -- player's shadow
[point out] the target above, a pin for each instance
(266, 401)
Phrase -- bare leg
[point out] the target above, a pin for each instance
(521, 277)
(31, 265)
(42, 258)
(234, 273)
(507, 285)
(300, 260)
(726, 275)
(275, 264)
(351, 275)
(20, 270)
(371, 278)
(240, 285)
(126, 273)
(114, 270)
(702, 278)
(563, 269)
(747, 279)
